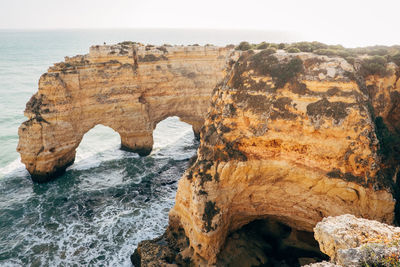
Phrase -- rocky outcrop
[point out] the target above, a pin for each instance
(265, 242)
(351, 241)
(128, 87)
(292, 137)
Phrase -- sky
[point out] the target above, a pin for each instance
(350, 22)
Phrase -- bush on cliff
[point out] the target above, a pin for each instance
(326, 52)
(390, 53)
(243, 46)
(282, 72)
(396, 59)
(293, 50)
(374, 66)
(262, 45)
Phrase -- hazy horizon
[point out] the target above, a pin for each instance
(286, 36)
(351, 23)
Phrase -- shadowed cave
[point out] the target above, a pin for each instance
(263, 242)
(268, 242)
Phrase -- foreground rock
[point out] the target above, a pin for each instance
(351, 241)
(291, 137)
(128, 87)
(260, 243)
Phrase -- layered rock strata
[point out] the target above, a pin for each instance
(128, 87)
(351, 241)
(293, 137)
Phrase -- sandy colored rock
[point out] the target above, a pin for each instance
(352, 241)
(321, 264)
(128, 87)
(284, 142)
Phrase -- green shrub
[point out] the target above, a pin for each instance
(293, 50)
(262, 45)
(378, 52)
(396, 59)
(281, 46)
(326, 52)
(303, 46)
(318, 45)
(336, 47)
(374, 66)
(127, 43)
(269, 51)
(243, 46)
(276, 46)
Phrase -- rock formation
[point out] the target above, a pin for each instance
(292, 137)
(128, 87)
(289, 138)
(351, 241)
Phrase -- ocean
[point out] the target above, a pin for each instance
(108, 200)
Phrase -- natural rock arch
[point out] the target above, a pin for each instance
(128, 87)
(97, 140)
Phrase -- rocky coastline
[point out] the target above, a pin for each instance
(291, 135)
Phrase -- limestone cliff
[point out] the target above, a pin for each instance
(289, 138)
(128, 87)
(293, 137)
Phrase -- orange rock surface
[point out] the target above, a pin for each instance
(128, 87)
(290, 137)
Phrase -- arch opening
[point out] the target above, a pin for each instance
(98, 140)
(269, 242)
(169, 131)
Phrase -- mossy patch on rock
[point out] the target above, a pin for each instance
(255, 103)
(280, 109)
(334, 110)
(281, 71)
(151, 58)
(210, 211)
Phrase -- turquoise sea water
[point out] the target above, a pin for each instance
(109, 200)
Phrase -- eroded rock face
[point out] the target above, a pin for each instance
(128, 87)
(351, 241)
(290, 137)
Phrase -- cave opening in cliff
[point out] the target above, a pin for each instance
(97, 140)
(268, 242)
